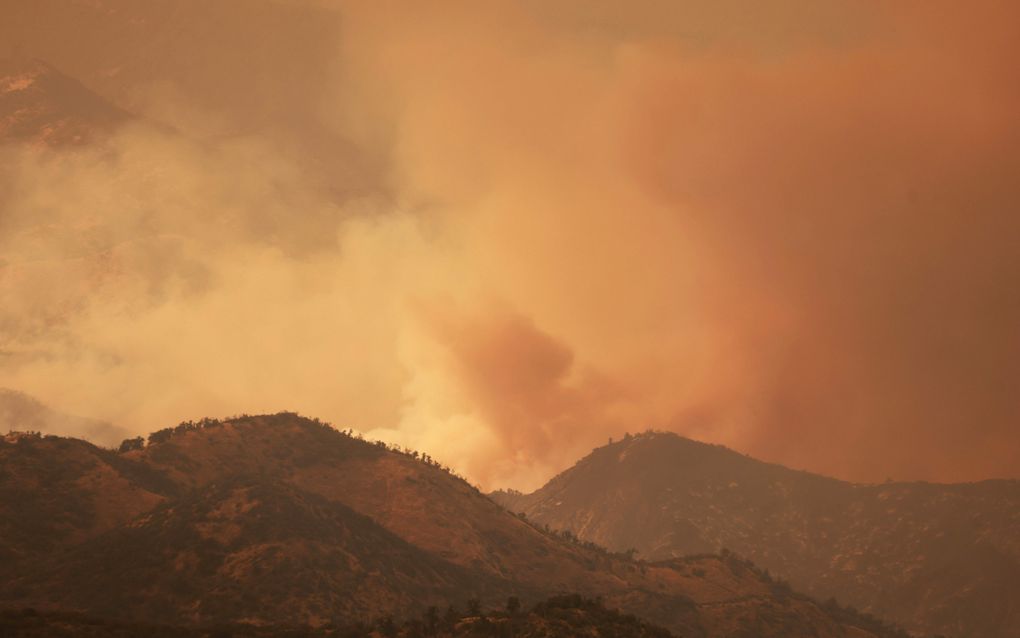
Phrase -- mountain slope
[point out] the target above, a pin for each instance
(57, 492)
(23, 413)
(40, 105)
(937, 558)
(283, 519)
(250, 552)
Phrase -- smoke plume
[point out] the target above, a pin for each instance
(504, 232)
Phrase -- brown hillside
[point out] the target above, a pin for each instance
(937, 558)
(283, 519)
(42, 106)
(57, 492)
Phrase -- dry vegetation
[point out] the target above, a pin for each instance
(281, 519)
(939, 559)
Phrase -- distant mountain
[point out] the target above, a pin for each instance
(24, 413)
(42, 106)
(210, 70)
(254, 60)
(939, 559)
(283, 520)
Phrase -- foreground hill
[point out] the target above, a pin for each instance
(937, 558)
(280, 519)
(558, 616)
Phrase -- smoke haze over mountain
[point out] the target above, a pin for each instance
(501, 233)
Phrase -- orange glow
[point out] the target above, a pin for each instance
(502, 232)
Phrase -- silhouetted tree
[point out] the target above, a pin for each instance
(159, 436)
(451, 617)
(431, 618)
(127, 445)
(513, 605)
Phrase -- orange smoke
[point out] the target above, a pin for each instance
(504, 232)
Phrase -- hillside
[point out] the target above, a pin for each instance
(40, 105)
(936, 558)
(280, 519)
(557, 616)
(56, 493)
(205, 69)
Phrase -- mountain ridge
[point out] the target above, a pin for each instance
(923, 554)
(24, 412)
(285, 519)
(41, 106)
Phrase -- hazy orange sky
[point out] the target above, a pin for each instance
(502, 232)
